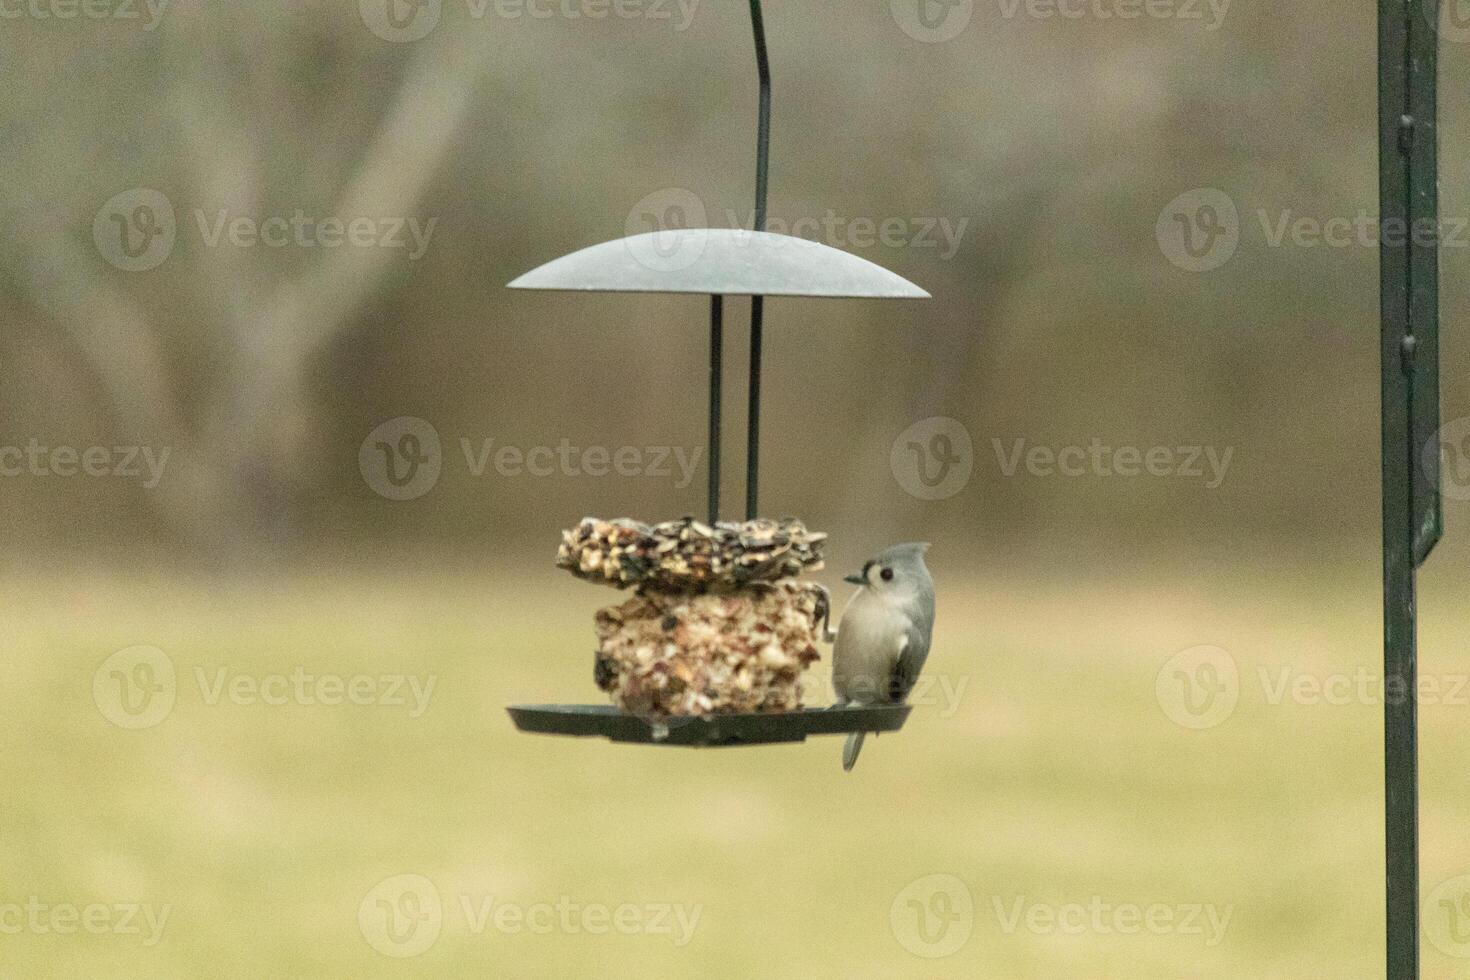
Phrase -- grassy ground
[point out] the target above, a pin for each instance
(1066, 811)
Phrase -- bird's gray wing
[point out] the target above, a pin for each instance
(910, 660)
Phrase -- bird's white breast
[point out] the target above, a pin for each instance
(868, 642)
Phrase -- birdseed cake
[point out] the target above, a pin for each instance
(719, 621)
(689, 554)
(668, 654)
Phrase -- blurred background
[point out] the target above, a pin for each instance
(248, 249)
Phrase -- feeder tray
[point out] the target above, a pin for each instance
(756, 728)
(721, 262)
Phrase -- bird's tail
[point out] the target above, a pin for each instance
(851, 749)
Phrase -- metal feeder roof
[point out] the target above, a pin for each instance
(722, 262)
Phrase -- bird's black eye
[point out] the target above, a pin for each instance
(886, 575)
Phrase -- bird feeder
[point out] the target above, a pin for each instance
(720, 262)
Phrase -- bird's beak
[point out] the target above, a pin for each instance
(855, 579)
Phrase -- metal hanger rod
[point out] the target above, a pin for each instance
(716, 350)
(763, 118)
(757, 303)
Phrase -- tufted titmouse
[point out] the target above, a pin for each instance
(884, 635)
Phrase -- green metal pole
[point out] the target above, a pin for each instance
(1409, 369)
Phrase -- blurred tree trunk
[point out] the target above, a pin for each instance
(238, 455)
